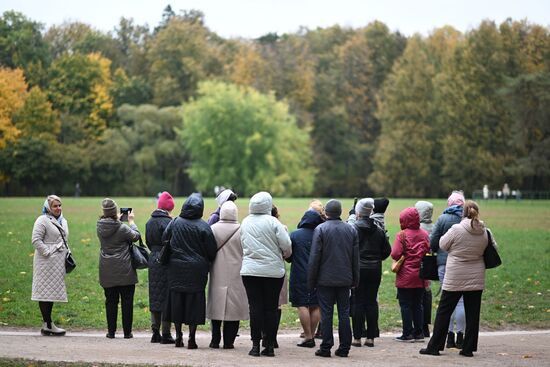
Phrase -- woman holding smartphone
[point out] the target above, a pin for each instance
(116, 274)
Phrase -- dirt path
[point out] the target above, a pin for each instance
(505, 348)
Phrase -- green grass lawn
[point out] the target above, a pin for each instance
(517, 293)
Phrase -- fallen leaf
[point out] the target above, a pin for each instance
(526, 356)
(530, 306)
(502, 354)
(22, 272)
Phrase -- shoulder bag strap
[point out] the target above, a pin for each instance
(230, 237)
(63, 237)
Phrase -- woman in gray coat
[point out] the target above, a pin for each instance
(116, 274)
(49, 234)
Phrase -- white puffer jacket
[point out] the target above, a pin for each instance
(264, 240)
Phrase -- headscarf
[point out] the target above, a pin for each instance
(46, 208)
(224, 196)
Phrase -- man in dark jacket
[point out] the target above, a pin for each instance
(192, 249)
(333, 269)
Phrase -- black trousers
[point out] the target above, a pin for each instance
(328, 296)
(126, 295)
(263, 301)
(366, 303)
(230, 330)
(447, 303)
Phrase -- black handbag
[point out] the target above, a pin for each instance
(490, 255)
(139, 255)
(70, 263)
(428, 267)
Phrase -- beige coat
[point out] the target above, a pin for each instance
(465, 270)
(226, 294)
(48, 276)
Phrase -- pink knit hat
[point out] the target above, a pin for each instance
(456, 198)
(165, 201)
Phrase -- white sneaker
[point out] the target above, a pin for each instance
(53, 331)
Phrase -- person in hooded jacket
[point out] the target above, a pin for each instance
(49, 233)
(301, 296)
(374, 248)
(158, 279)
(451, 216)
(265, 244)
(465, 244)
(117, 276)
(425, 210)
(225, 195)
(413, 243)
(192, 249)
(226, 293)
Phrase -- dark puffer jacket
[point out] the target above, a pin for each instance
(192, 248)
(451, 215)
(334, 258)
(374, 246)
(158, 279)
(300, 294)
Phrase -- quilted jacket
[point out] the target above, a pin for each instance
(158, 278)
(48, 278)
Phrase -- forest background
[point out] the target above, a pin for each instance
(331, 112)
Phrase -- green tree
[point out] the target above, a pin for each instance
(242, 139)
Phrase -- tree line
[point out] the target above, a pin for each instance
(331, 111)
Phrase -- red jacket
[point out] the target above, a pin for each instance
(417, 243)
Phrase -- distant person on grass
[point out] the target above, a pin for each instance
(464, 279)
(192, 249)
(158, 277)
(451, 216)
(117, 276)
(49, 233)
(333, 269)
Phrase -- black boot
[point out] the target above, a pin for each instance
(167, 339)
(255, 351)
(459, 339)
(268, 351)
(451, 340)
(156, 336)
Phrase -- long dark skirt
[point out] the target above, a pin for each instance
(185, 308)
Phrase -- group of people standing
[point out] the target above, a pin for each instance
(332, 262)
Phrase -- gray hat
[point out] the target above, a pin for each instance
(333, 208)
(109, 207)
(364, 207)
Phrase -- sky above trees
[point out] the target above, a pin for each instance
(254, 18)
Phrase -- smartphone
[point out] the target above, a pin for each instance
(124, 212)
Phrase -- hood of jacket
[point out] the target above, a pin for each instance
(425, 211)
(366, 224)
(310, 219)
(106, 227)
(477, 229)
(193, 207)
(261, 203)
(229, 212)
(160, 213)
(454, 210)
(409, 219)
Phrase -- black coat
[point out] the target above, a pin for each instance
(192, 248)
(158, 278)
(334, 257)
(374, 246)
(300, 294)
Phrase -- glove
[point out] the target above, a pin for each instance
(352, 211)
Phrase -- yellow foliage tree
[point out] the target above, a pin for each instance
(13, 92)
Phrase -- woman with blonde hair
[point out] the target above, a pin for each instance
(465, 243)
(49, 235)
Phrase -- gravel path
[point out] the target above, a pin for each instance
(503, 348)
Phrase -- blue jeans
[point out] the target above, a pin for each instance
(410, 302)
(458, 315)
(328, 296)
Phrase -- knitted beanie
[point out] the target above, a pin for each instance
(380, 205)
(333, 208)
(456, 198)
(109, 207)
(364, 207)
(165, 201)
